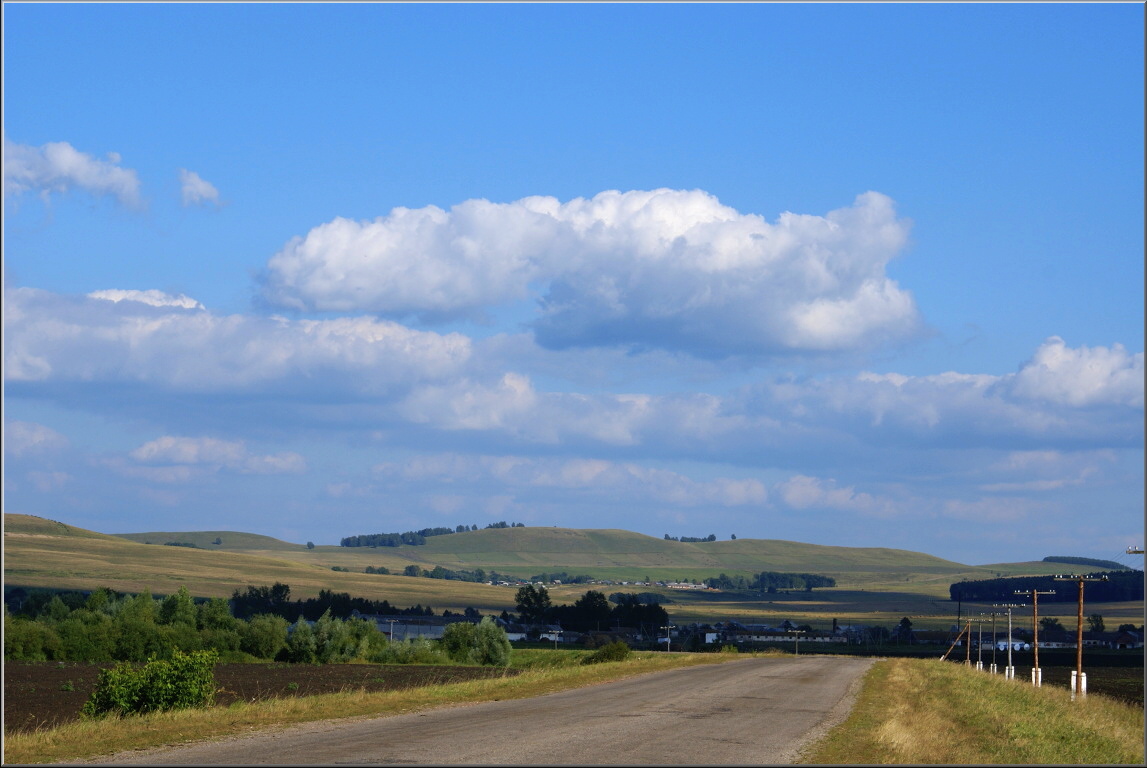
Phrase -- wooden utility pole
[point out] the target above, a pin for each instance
(1037, 677)
(1080, 688)
(954, 643)
(968, 644)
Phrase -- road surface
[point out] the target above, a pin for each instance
(751, 711)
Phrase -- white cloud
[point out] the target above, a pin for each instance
(576, 475)
(169, 344)
(661, 268)
(59, 167)
(1082, 377)
(439, 384)
(24, 437)
(195, 190)
(805, 492)
(150, 297)
(184, 453)
(1052, 398)
(1046, 470)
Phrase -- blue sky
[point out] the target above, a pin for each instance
(850, 274)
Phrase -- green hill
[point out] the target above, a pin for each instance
(873, 584)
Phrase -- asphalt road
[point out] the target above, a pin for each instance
(751, 711)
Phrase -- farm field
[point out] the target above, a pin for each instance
(48, 694)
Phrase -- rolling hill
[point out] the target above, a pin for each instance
(872, 583)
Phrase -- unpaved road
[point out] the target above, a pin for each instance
(752, 711)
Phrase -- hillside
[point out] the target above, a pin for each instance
(872, 583)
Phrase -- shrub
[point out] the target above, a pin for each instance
(263, 636)
(418, 650)
(615, 651)
(482, 643)
(185, 680)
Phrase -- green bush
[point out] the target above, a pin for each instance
(417, 650)
(183, 681)
(482, 643)
(615, 651)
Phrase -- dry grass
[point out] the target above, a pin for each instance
(914, 711)
(93, 738)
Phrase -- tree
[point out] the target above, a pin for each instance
(300, 647)
(590, 611)
(1095, 621)
(412, 570)
(310, 545)
(1050, 624)
(264, 635)
(533, 604)
(178, 609)
(903, 630)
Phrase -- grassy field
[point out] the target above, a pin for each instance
(909, 711)
(928, 712)
(874, 586)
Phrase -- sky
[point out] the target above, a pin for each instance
(860, 275)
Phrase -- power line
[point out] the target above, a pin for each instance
(1080, 687)
(1037, 675)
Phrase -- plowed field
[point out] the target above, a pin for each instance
(45, 694)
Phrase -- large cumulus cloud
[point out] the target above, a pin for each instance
(663, 268)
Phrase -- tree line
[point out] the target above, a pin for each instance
(276, 600)
(771, 581)
(1119, 586)
(1107, 565)
(414, 538)
(563, 577)
(693, 539)
(110, 626)
(591, 612)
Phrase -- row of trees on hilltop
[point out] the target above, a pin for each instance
(691, 539)
(414, 538)
(1119, 586)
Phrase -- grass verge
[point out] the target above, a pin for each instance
(928, 712)
(543, 672)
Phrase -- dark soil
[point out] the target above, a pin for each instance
(47, 694)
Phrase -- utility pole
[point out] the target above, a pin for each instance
(993, 669)
(667, 640)
(1037, 676)
(1009, 670)
(979, 642)
(1079, 688)
(968, 645)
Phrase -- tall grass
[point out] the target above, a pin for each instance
(916, 711)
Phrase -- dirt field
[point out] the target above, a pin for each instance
(45, 694)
